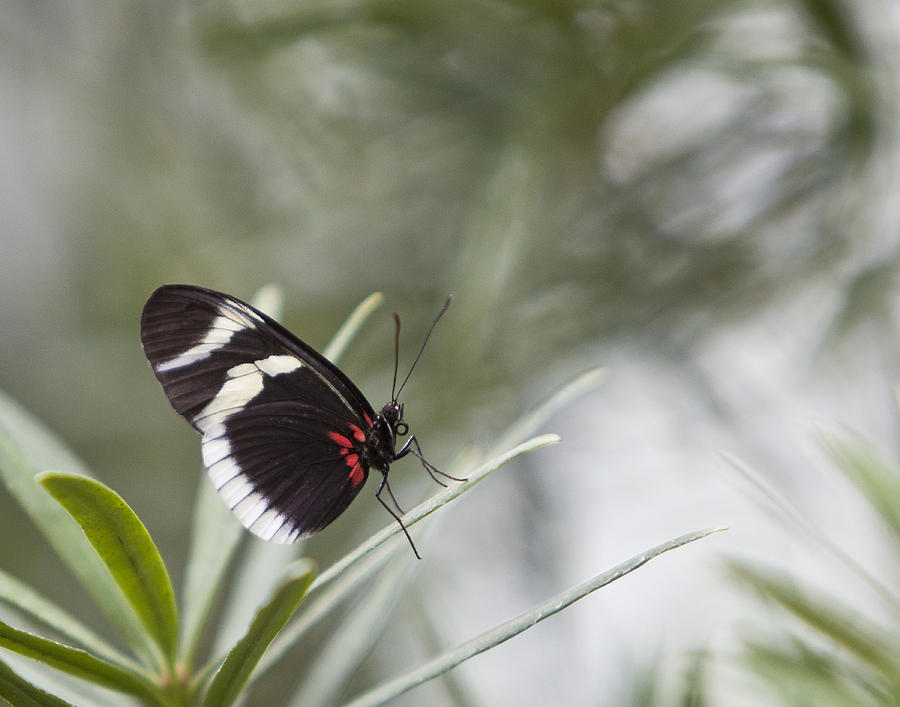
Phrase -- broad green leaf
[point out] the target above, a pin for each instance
(450, 659)
(231, 678)
(79, 663)
(21, 693)
(26, 448)
(36, 606)
(125, 546)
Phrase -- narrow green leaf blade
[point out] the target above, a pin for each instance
(127, 549)
(21, 693)
(34, 605)
(822, 677)
(869, 643)
(430, 505)
(231, 678)
(528, 423)
(339, 569)
(324, 603)
(27, 447)
(215, 537)
(874, 474)
(338, 657)
(450, 659)
(349, 329)
(77, 662)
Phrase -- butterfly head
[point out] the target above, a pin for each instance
(392, 414)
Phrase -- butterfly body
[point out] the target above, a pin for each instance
(287, 438)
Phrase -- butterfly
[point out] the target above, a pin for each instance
(287, 438)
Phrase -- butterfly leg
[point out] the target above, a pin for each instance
(429, 467)
(385, 485)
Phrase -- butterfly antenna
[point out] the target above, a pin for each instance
(422, 348)
(396, 355)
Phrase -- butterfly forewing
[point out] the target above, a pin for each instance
(282, 427)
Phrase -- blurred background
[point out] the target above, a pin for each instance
(699, 196)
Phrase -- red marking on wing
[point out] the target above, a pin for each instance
(367, 419)
(356, 474)
(357, 433)
(352, 459)
(340, 439)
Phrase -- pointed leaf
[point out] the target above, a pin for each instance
(528, 423)
(215, 536)
(33, 604)
(323, 604)
(851, 632)
(77, 662)
(430, 505)
(21, 693)
(338, 657)
(125, 546)
(874, 474)
(450, 659)
(293, 632)
(231, 678)
(822, 678)
(351, 326)
(772, 499)
(26, 447)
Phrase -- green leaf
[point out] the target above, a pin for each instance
(125, 546)
(448, 660)
(231, 678)
(27, 447)
(822, 678)
(338, 656)
(848, 631)
(318, 607)
(430, 505)
(79, 663)
(529, 422)
(215, 536)
(37, 607)
(21, 693)
(772, 499)
(351, 326)
(874, 474)
(340, 568)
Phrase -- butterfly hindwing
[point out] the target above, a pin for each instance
(282, 427)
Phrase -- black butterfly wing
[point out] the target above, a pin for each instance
(283, 428)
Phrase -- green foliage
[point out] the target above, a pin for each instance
(832, 654)
(133, 584)
(127, 550)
